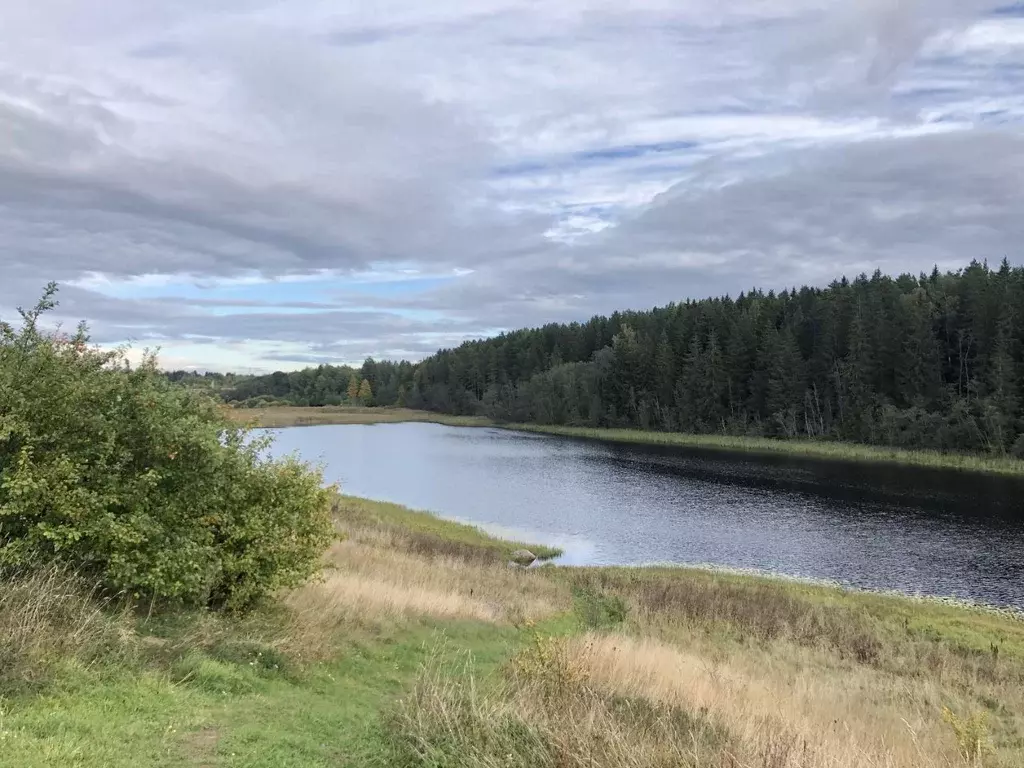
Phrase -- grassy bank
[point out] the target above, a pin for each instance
(294, 416)
(808, 449)
(421, 647)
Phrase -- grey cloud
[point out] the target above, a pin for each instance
(284, 138)
(850, 55)
(329, 167)
(900, 204)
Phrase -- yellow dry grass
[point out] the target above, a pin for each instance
(615, 701)
(860, 718)
(381, 573)
(371, 578)
(280, 416)
(701, 669)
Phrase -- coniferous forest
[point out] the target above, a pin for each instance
(930, 362)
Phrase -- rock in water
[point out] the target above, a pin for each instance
(523, 557)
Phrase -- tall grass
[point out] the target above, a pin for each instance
(702, 669)
(52, 617)
(609, 667)
(543, 714)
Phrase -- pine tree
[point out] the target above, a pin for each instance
(785, 396)
(353, 388)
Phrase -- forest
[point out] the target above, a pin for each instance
(933, 361)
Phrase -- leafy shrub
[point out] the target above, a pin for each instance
(971, 733)
(598, 610)
(140, 483)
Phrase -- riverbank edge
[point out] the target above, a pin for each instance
(850, 453)
(404, 517)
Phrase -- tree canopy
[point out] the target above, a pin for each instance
(930, 361)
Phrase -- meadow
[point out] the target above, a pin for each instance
(421, 646)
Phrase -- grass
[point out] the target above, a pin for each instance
(421, 648)
(423, 532)
(293, 416)
(284, 416)
(806, 449)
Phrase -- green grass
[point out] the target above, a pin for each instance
(225, 713)
(968, 628)
(379, 513)
(807, 449)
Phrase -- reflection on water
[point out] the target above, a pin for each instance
(878, 527)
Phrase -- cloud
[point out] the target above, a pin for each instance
(215, 175)
(900, 204)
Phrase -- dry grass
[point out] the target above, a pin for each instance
(704, 669)
(51, 617)
(395, 564)
(764, 701)
(280, 416)
(880, 668)
(653, 668)
(455, 720)
(613, 701)
(371, 578)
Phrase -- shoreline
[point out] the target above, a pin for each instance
(837, 452)
(777, 578)
(547, 557)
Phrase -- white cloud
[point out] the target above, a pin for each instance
(562, 158)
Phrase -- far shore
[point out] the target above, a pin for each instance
(281, 416)
(276, 417)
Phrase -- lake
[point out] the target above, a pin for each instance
(878, 527)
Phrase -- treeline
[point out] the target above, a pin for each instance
(374, 383)
(932, 361)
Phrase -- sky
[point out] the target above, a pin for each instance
(255, 185)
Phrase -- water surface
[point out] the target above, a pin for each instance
(880, 527)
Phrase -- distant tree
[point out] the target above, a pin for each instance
(365, 392)
(353, 388)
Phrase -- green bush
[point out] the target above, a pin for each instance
(598, 610)
(129, 478)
